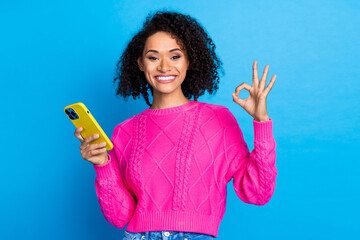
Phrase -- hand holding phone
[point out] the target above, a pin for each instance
(94, 153)
(93, 148)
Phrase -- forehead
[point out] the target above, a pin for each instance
(162, 41)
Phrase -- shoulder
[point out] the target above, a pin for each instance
(212, 108)
(124, 129)
(220, 113)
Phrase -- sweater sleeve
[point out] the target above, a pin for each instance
(253, 173)
(116, 202)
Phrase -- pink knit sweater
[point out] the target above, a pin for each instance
(169, 169)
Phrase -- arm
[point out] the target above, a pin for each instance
(116, 202)
(253, 173)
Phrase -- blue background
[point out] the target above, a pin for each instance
(55, 53)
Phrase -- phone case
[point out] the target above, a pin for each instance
(80, 116)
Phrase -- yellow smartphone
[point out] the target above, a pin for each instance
(80, 116)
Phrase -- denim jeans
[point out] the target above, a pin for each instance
(166, 235)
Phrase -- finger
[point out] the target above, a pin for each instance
(263, 78)
(95, 146)
(89, 154)
(78, 135)
(270, 85)
(242, 86)
(255, 75)
(90, 147)
(235, 95)
(91, 138)
(87, 140)
(238, 100)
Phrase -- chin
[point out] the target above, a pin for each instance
(165, 90)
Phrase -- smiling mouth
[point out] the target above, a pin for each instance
(165, 79)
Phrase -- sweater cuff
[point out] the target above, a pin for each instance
(263, 130)
(104, 171)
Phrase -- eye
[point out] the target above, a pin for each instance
(176, 57)
(152, 58)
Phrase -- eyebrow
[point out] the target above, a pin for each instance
(172, 50)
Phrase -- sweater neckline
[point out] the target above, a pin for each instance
(164, 111)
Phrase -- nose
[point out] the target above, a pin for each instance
(163, 66)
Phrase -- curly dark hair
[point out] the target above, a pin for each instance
(202, 73)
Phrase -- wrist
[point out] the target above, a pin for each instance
(104, 162)
(264, 119)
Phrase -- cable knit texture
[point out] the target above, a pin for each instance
(169, 169)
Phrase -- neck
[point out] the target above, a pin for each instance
(167, 101)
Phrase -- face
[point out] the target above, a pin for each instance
(164, 63)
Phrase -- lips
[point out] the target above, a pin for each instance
(165, 78)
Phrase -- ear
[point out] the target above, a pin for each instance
(140, 64)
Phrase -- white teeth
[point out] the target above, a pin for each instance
(166, 78)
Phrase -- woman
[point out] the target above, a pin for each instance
(166, 176)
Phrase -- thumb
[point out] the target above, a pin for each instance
(238, 100)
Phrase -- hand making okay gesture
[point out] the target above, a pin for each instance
(255, 104)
